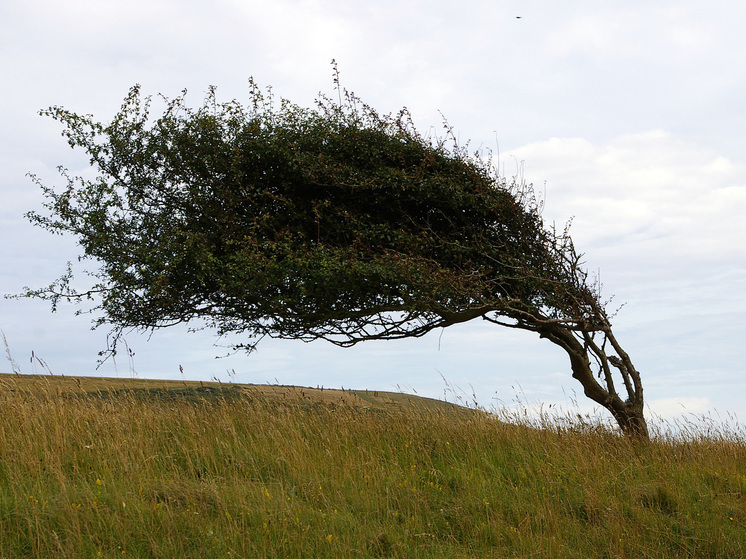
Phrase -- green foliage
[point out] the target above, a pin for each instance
(334, 222)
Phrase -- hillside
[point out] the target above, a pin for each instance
(196, 390)
(137, 468)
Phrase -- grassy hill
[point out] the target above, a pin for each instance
(107, 387)
(136, 468)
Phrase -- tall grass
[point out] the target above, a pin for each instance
(227, 474)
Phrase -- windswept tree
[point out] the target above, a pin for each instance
(332, 223)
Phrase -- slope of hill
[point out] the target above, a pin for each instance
(196, 390)
(137, 468)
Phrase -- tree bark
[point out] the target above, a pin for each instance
(600, 387)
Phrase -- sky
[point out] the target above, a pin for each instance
(627, 116)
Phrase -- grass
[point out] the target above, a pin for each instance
(91, 468)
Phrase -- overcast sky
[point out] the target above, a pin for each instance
(627, 116)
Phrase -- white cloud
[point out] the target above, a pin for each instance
(651, 194)
(668, 407)
(661, 33)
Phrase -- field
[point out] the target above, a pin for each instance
(136, 468)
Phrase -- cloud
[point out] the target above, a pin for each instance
(670, 408)
(652, 196)
(629, 30)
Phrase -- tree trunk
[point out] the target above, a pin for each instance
(600, 387)
(632, 422)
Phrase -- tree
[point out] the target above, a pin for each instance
(333, 223)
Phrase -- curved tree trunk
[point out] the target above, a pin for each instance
(599, 385)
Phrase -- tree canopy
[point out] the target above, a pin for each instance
(333, 222)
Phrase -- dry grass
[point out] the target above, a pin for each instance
(158, 469)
